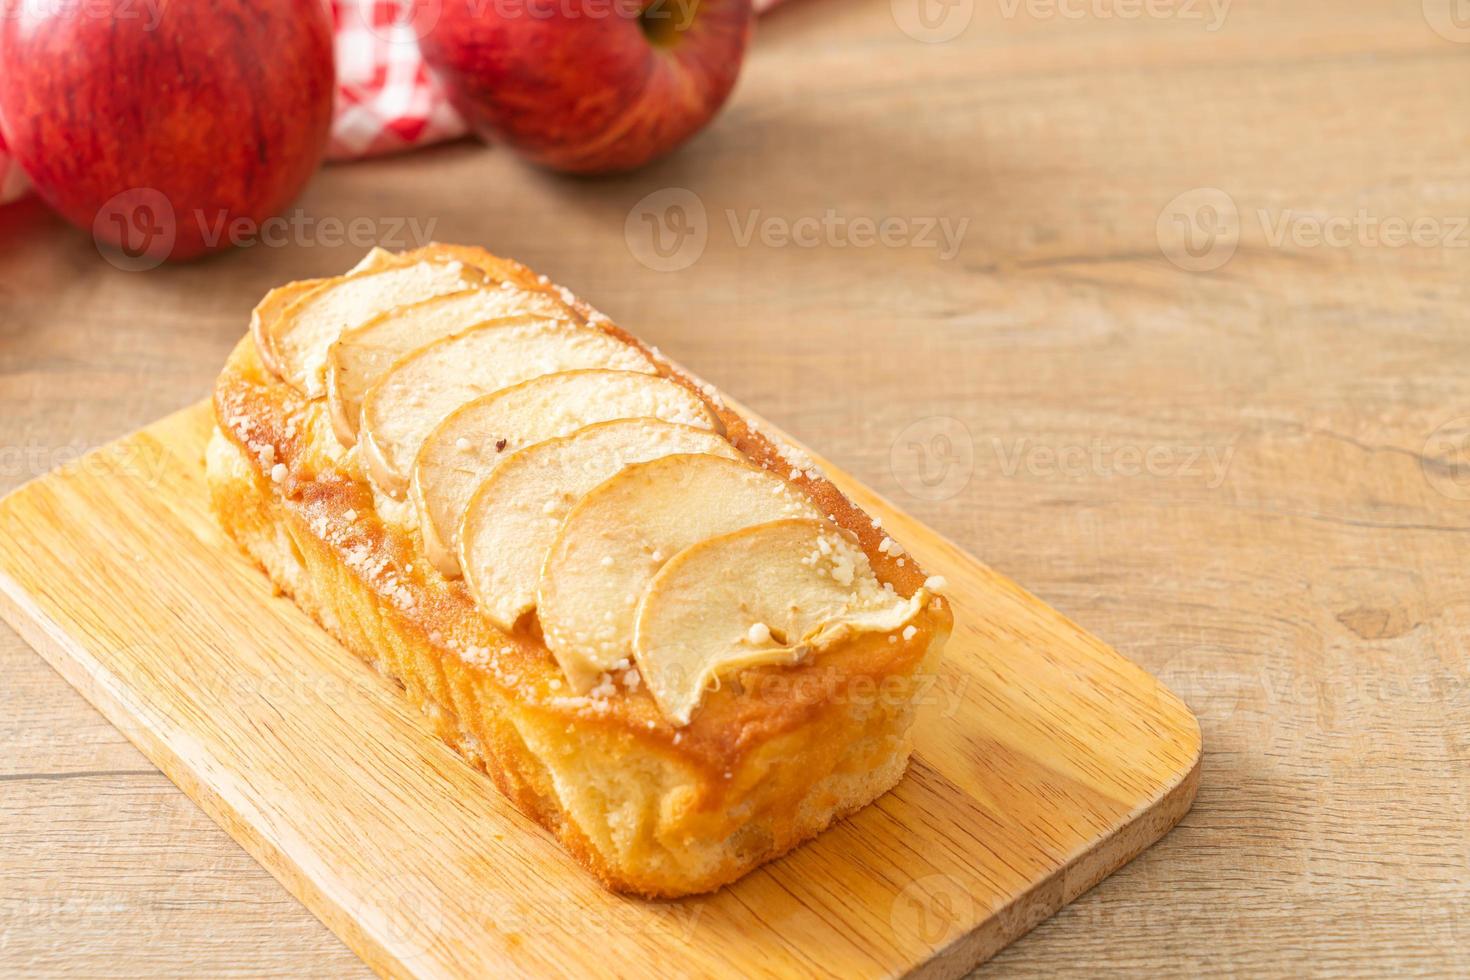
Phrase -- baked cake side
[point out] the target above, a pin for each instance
(651, 806)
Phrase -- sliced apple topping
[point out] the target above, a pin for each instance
(512, 520)
(619, 535)
(476, 437)
(361, 355)
(267, 314)
(773, 594)
(297, 341)
(263, 318)
(416, 394)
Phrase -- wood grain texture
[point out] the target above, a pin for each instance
(1309, 602)
(1043, 761)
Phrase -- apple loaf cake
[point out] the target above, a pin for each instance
(659, 630)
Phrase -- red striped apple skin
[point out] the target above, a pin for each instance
(588, 86)
(220, 108)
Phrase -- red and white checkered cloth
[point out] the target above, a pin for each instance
(387, 100)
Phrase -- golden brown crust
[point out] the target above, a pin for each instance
(789, 748)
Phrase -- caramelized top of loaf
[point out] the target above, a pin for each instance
(289, 438)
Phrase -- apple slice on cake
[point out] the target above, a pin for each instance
(269, 310)
(511, 521)
(294, 344)
(472, 440)
(771, 594)
(421, 389)
(619, 535)
(361, 355)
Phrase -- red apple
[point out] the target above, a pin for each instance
(159, 125)
(588, 86)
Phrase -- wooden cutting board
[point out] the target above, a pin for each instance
(1045, 761)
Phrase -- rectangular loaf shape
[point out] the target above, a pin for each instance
(650, 807)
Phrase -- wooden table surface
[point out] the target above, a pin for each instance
(1192, 366)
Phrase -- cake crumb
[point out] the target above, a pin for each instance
(278, 473)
